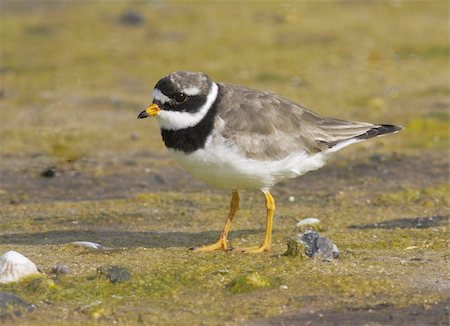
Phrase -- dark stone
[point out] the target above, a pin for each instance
(309, 238)
(12, 306)
(159, 179)
(131, 18)
(326, 248)
(61, 269)
(49, 173)
(115, 274)
(311, 244)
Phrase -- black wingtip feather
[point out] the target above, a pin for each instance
(378, 131)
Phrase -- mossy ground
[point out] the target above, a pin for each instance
(74, 78)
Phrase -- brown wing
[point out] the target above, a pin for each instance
(266, 126)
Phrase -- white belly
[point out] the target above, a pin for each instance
(223, 166)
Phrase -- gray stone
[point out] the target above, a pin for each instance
(115, 274)
(311, 244)
(12, 306)
(61, 269)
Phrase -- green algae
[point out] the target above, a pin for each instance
(295, 248)
(428, 132)
(437, 194)
(250, 282)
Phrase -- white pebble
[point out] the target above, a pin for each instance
(283, 287)
(291, 199)
(308, 221)
(88, 244)
(15, 266)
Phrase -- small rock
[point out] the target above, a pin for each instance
(295, 248)
(310, 223)
(12, 306)
(309, 238)
(61, 269)
(335, 251)
(131, 18)
(49, 173)
(15, 266)
(291, 199)
(326, 248)
(10, 299)
(311, 244)
(115, 274)
(159, 179)
(88, 244)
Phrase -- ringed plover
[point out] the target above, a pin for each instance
(234, 137)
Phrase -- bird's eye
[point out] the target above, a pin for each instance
(180, 97)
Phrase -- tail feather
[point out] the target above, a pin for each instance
(378, 131)
(375, 131)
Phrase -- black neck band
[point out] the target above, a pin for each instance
(193, 138)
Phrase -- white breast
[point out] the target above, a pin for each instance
(222, 165)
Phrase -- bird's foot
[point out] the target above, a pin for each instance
(255, 249)
(221, 244)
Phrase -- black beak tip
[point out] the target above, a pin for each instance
(142, 115)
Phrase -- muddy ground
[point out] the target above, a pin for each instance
(76, 164)
(42, 214)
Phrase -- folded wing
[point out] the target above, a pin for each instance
(266, 126)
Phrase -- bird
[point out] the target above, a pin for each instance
(238, 138)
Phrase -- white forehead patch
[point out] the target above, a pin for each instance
(175, 120)
(191, 91)
(159, 96)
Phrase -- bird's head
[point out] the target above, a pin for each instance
(181, 99)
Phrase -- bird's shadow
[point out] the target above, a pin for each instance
(121, 239)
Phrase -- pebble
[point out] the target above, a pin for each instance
(310, 223)
(61, 269)
(132, 18)
(49, 173)
(12, 306)
(309, 238)
(295, 248)
(115, 274)
(15, 266)
(312, 244)
(88, 244)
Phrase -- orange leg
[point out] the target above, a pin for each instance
(265, 246)
(222, 243)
